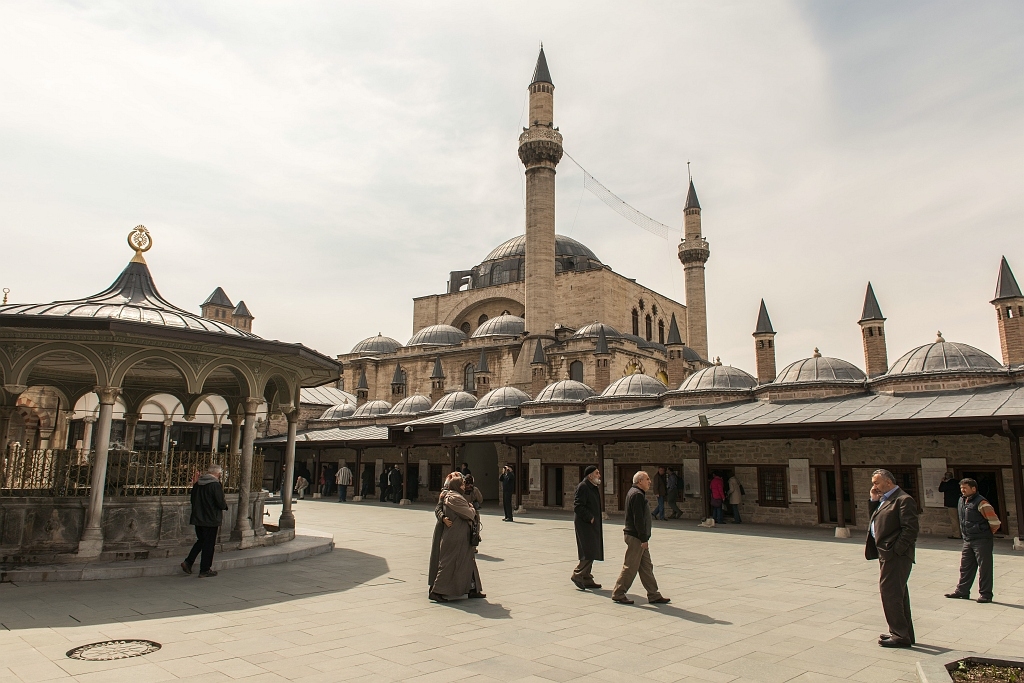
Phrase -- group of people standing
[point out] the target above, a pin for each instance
(667, 483)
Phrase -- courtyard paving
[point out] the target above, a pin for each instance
(749, 603)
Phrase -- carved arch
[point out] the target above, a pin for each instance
(23, 367)
(179, 363)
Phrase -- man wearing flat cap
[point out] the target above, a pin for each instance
(586, 507)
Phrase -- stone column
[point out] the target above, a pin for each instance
(600, 467)
(357, 477)
(215, 439)
(91, 544)
(6, 412)
(287, 520)
(243, 525)
(131, 421)
(1018, 485)
(60, 432)
(87, 436)
(165, 442)
(705, 504)
(404, 500)
(236, 434)
(519, 476)
(837, 463)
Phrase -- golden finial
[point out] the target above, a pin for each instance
(6, 292)
(139, 240)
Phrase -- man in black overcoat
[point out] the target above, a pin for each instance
(508, 487)
(587, 519)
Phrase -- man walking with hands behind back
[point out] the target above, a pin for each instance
(637, 533)
(978, 522)
(892, 537)
(208, 508)
(586, 506)
(508, 487)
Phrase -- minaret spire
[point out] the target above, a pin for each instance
(693, 254)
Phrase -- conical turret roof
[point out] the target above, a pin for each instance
(541, 73)
(1006, 285)
(242, 310)
(538, 353)
(691, 197)
(673, 332)
(481, 366)
(438, 372)
(602, 343)
(871, 310)
(362, 380)
(764, 323)
(219, 298)
(398, 378)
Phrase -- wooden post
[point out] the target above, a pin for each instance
(357, 477)
(600, 464)
(519, 476)
(705, 504)
(1018, 484)
(837, 463)
(405, 478)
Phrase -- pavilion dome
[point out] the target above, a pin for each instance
(456, 400)
(943, 356)
(411, 405)
(719, 378)
(594, 330)
(375, 345)
(338, 411)
(503, 397)
(565, 390)
(820, 368)
(564, 247)
(636, 384)
(501, 326)
(438, 335)
(371, 408)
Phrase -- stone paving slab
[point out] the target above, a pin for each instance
(749, 603)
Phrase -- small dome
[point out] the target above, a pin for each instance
(335, 412)
(501, 326)
(566, 390)
(503, 397)
(691, 355)
(941, 356)
(378, 344)
(456, 400)
(635, 385)
(371, 408)
(820, 368)
(438, 335)
(594, 330)
(719, 378)
(410, 405)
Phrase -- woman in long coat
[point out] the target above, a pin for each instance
(435, 542)
(587, 520)
(457, 572)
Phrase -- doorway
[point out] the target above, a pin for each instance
(482, 459)
(625, 482)
(990, 486)
(554, 482)
(827, 496)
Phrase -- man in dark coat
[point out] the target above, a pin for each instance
(892, 538)
(208, 508)
(950, 490)
(586, 508)
(367, 477)
(978, 522)
(508, 487)
(395, 480)
(637, 533)
(383, 483)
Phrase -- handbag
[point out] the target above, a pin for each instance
(474, 534)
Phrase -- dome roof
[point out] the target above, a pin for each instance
(341, 410)
(564, 246)
(456, 400)
(719, 378)
(941, 356)
(594, 329)
(501, 326)
(372, 408)
(691, 355)
(378, 344)
(503, 397)
(410, 405)
(820, 368)
(566, 390)
(438, 335)
(635, 385)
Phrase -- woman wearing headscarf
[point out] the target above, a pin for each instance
(472, 493)
(442, 522)
(457, 573)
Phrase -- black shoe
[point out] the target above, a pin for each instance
(208, 573)
(954, 595)
(983, 599)
(579, 584)
(437, 597)
(477, 595)
(186, 567)
(894, 642)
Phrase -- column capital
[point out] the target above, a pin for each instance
(250, 405)
(89, 419)
(15, 389)
(169, 422)
(107, 395)
(292, 417)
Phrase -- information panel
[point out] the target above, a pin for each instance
(691, 477)
(424, 473)
(535, 481)
(932, 472)
(799, 480)
(609, 476)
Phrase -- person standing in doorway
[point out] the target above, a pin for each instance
(586, 507)
(892, 539)
(717, 498)
(325, 481)
(383, 483)
(637, 535)
(660, 490)
(507, 478)
(672, 484)
(343, 479)
(950, 489)
(978, 523)
(367, 487)
(735, 497)
(395, 480)
(208, 506)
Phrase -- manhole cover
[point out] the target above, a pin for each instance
(113, 649)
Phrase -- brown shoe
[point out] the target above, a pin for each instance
(186, 567)
(592, 585)
(623, 600)
(579, 584)
(437, 597)
(661, 601)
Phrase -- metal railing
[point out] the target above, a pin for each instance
(53, 472)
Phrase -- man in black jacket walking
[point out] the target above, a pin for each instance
(208, 508)
(637, 533)
(508, 487)
(395, 480)
(586, 506)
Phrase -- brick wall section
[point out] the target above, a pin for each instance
(1010, 320)
(876, 361)
(764, 357)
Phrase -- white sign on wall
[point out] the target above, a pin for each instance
(932, 472)
(535, 480)
(424, 473)
(691, 477)
(609, 476)
(799, 480)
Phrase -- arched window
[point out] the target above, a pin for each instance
(482, 319)
(469, 378)
(576, 370)
(661, 331)
(465, 327)
(636, 323)
(650, 332)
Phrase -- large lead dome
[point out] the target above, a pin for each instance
(507, 261)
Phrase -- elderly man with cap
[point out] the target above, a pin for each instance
(586, 507)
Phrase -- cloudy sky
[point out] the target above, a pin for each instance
(326, 162)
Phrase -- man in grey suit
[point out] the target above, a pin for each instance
(892, 537)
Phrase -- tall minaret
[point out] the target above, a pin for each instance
(540, 149)
(694, 253)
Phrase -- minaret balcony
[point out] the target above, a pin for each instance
(540, 146)
(693, 251)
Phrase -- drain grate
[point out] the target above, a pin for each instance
(113, 649)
